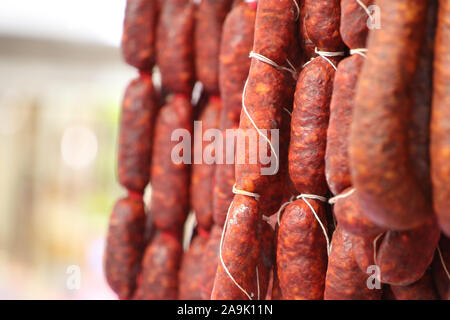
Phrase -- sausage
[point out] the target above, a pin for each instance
(170, 181)
(203, 173)
(322, 21)
(350, 217)
(210, 16)
(124, 246)
(440, 123)
(139, 33)
(344, 280)
(440, 276)
(210, 261)
(240, 252)
(237, 42)
(354, 23)
(363, 250)
(266, 258)
(306, 44)
(403, 257)
(302, 252)
(309, 127)
(191, 270)
(423, 289)
(175, 46)
(135, 137)
(160, 266)
(337, 166)
(382, 172)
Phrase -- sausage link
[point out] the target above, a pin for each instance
(382, 172)
(440, 121)
(345, 280)
(237, 42)
(354, 23)
(160, 267)
(175, 46)
(210, 261)
(139, 108)
(139, 31)
(191, 271)
(423, 289)
(203, 173)
(302, 252)
(124, 246)
(403, 257)
(170, 181)
(210, 17)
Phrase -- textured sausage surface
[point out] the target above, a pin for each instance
(240, 252)
(337, 163)
(382, 172)
(139, 31)
(322, 24)
(350, 217)
(191, 271)
(210, 261)
(440, 277)
(309, 127)
(264, 96)
(175, 46)
(363, 250)
(237, 42)
(210, 17)
(124, 246)
(170, 181)
(302, 252)
(423, 289)
(403, 257)
(305, 42)
(202, 179)
(440, 121)
(139, 107)
(354, 23)
(160, 266)
(345, 280)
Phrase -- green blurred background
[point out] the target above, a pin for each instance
(61, 84)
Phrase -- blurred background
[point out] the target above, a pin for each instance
(61, 84)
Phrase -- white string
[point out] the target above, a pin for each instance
(341, 196)
(441, 257)
(288, 112)
(244, 107)
(221, 258)
(245, 193)
(264, 59)
(375, 241)
(298, 9)
(305, 198)
(257, 282)
(361, 51)
(326, 54)
(189, 226)
(365, 8)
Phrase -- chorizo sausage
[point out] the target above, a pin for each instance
(170, 179)
(423, 289)
(237, 42)
(124, 246)
(345, 280)
(191, 270)
(210, 16)
(175, 46)
(210, 261)
(403, 257)
(160, 267)
(302, 252)
(382, 172)
(202, 177)
(139, 33)
(354, 23)
(440, 123)
(135, 136)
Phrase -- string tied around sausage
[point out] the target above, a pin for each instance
(245, 193)
(297, 7)
(222, 262)
(342, 196)
(361, 51)
(366, 9)
(291, 69)
(326, 55)
(305, 197)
